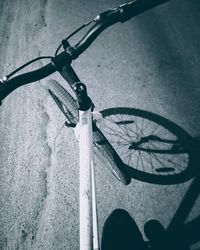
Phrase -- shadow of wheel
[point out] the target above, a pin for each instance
(152, 148)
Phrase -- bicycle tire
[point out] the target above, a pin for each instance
(103, 149)
(177, 144)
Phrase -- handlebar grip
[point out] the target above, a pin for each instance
(131, 9)
(36, 75)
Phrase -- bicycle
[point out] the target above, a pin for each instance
(108, 150)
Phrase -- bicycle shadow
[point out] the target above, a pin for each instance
(153, 149)
(178, 235)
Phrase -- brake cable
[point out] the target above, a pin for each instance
(64, 41)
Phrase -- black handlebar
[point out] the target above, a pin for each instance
(36, 75)
(120, 14)
(131, 9)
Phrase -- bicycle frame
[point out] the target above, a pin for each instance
(88, 232)
(86, 175)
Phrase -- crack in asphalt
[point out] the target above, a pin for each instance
(23, 232)
(7, 16)
(42, 16)
(45, 174)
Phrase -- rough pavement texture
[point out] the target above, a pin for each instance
(151, 62)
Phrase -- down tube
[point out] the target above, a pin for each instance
(85, 181)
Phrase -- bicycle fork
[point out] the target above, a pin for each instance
(88, 230)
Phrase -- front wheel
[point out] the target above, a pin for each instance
(103, 149)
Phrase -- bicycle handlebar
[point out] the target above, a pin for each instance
(14, 83)
(131, 9)
(120, 14)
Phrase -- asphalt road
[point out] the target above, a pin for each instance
(151, 62)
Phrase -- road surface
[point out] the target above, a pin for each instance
(151, 62)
